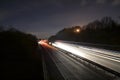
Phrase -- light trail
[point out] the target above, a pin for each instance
(69, 48)
(103, 57)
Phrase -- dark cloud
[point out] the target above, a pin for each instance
(116, 2)
(101, 1)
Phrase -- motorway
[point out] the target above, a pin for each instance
(58, 65)
(109, 59)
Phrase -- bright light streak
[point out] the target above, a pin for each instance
(39, 42)
(42, 42)
(84, 52)
(69, 48)
(50, 43)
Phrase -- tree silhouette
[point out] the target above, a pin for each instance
(18, 52)
(105, 31)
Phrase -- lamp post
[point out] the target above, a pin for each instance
(77, 31)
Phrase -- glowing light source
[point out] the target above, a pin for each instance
(43, 42)
(39, 42)
(70, 48)
(77, 30)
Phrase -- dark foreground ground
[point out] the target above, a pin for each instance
(19, 68)
(20, 56)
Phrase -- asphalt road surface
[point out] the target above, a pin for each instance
(59, 66)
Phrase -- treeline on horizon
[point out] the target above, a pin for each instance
(105, 31)
(19, 55)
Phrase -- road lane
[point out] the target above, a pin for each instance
(50, 70)
(45, 73)
(70, 68)
(106, 58)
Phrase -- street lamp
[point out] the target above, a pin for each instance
(77, 30)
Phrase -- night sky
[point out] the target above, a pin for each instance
(46, 17)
